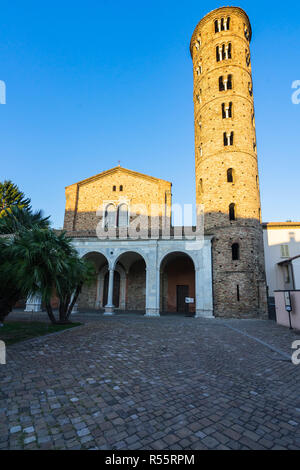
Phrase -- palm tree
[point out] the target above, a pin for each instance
(15, 219)
(10, 292)
(46, 262)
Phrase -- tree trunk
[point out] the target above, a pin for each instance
(74, 300)
(63, 309)
(50, 313)
(6, 306)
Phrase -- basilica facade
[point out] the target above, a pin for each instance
(121, 219)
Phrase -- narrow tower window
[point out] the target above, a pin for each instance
(229, 82)
(121, 187)
(247, 58)
(228, 138)
(199, 69)
(222, 24)
(198, 43)
(223, 52)
(235, 252)
(250, 88)
(225, 83)
(227, 110)
(228, 50)
(230, 175)
(114, 188)
(221, 84)
(232, 212)
(238, 293)
(247, 34)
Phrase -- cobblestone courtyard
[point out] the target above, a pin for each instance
(130, 382)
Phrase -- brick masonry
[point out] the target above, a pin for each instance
(85, 198)
(213, 159)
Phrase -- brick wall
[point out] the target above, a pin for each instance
(85, 198)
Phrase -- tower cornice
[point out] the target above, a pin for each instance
(227, 10)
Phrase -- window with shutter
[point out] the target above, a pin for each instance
(285, 252)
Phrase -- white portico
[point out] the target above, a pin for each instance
(118, 282)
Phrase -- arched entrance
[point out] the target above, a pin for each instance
(134, 266)
(177, 284)
(89, 298)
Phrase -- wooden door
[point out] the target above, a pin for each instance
(182, 293)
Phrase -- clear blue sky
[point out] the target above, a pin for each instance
(89, 83)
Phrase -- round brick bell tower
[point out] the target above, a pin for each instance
(227, 181)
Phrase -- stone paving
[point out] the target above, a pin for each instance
(130, 382)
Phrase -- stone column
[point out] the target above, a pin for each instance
(34, 303)
(98, 298)
(203, 284)
(109, 308)
(152, 307)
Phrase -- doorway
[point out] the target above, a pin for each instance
(181, 305)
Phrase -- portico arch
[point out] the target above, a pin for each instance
(177, 283)
(89, 296)
(133, 264)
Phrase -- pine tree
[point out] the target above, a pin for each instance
(11, 196)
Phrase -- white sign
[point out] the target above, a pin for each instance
(2, 353)
(287, 299)
(189, 300)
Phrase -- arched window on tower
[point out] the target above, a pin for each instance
(110, 216)
(250, 88)
(235, 252)
(228, 52)
(228, 138)
(122, 215)
(227, 110)
(221, 84)
(232, 212)
(247, 34)
(225, 83)
(230, 175)
(247, 57)
(229, 82)
(222, 24)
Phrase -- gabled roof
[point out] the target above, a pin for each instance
(115, 170)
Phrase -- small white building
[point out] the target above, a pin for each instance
(282, 255)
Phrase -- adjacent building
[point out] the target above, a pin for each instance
(282, 255)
